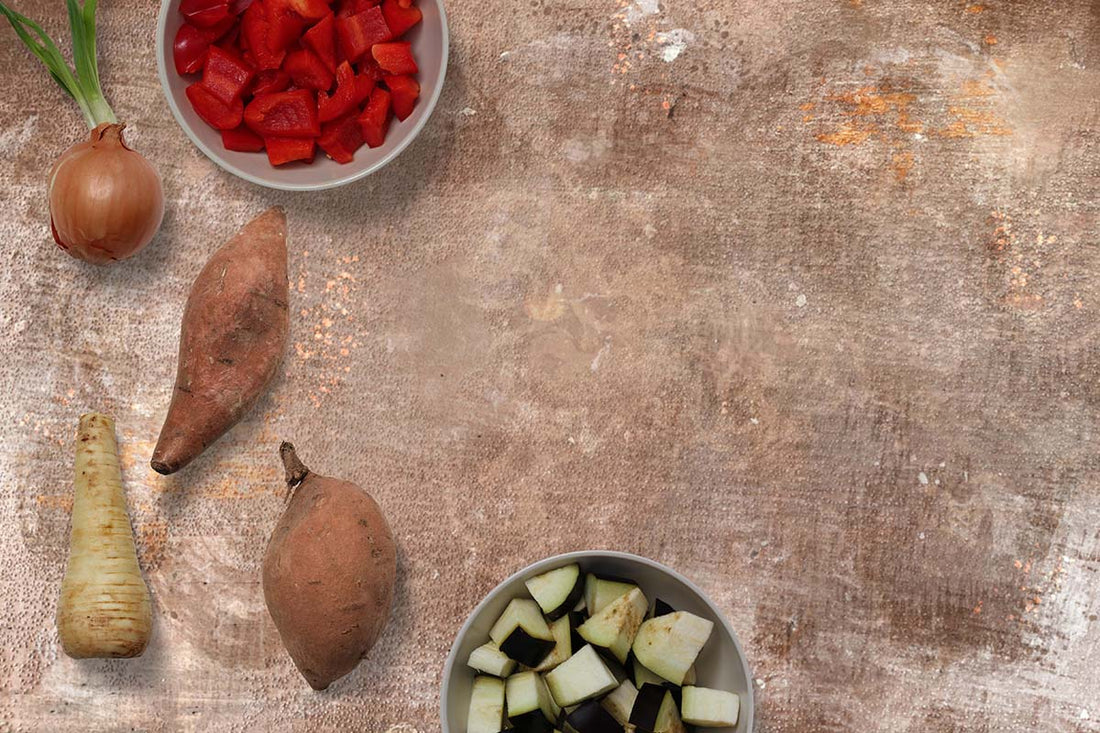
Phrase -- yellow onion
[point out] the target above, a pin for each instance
(106, 201)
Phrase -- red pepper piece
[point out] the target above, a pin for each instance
(321, 39)
(307, 70)
(254, 32)
(236, 7)
(205, 13)
(400, 18)
(231, 40)
(191, 43)
(361, 31)
(375, 119)
(405, 3)
(308, 9)
(242, 140)
(369, 68)
(269, 81)
(396, 58)
(404, 90)
(350, 92)
(213, 111)
(225, 76)
(282, 150)
(283, 114)
(284, 26)
(341, 138)
(349, 8)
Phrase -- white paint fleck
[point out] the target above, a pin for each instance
(800, 301)
(650, 231)
(641, 9)
(599, 354)
(943, 464)
(920, 536)
(674, 42)
(923, 478)
(467, 112)
(754, 421)
(1084, 714)
(12, 141)
(504, 55)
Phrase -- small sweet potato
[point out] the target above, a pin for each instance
(231, 342)
(328, 573)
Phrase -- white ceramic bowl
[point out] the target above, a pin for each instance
(720, 665)
(430, 43)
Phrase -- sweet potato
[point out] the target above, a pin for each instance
(328, 573)
(231, 342)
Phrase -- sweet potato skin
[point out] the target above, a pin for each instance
(231, 342)
(328, 577)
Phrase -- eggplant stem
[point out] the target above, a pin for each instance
(296, 471)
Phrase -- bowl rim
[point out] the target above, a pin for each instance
(162, 74)
(747, 705)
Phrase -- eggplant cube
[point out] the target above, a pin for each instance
(616, 624)
(563, 646)
(581, 677)
(526, 649)
(669, 644)
(523, 613)
(620, 701)
(527, 693)
(486, 706)
(599, 592)
(655, 711)
(557, 591)
(488, 658)
(591, 717)
(711, 708)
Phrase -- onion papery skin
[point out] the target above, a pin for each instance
(106, 201)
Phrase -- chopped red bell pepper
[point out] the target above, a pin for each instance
(396, 58)
(321, 39)
(236, 7)
(369, 68)
(341, 138)
(375, 119)
(350, 92)
(282, 150)
(242, 140)
(352, 7)
(213, 111)
(308, 9)
(400, 18)
(284, 26)
(254, 32)
(269, 81)
(361, 31)
(191, 43)
(307, 71)
(224, 75)
(205, 13)
(404, 90)
(283, 114)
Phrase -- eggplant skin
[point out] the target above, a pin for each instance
(328, 577)
(647, 705)
(570, 601)
(524, 648)
(591, 717)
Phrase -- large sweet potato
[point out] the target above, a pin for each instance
(328, 573)
(231, 342)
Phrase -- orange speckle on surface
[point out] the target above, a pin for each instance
(976, 88)
(807, 118)
(806, 106)
(666, 105)
(978, 608)
(1018, 564)
(846, 135)
(975, 9)
(903, 163)
(64, 502)
(991, 40)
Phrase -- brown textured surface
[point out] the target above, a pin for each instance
(807, 312)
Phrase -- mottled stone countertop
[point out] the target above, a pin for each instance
(798, 297)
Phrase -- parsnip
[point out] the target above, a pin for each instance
(105, 609)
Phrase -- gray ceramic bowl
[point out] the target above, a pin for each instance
(721, 664)
(430, 42)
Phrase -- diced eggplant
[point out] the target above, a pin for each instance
(592, 718)
(526, 649)
(615, 625)
(526, 692)
(558, 590)
(642, 675)
(486, 706)
(710, 708)
(660, 608)
(655, 711)
(488, 658)
(598, 592)
(532, 722)
(668, 645)
(556, 709)
(576, 618)
(581, 677)
(524, 613)
(620, 701)
(617, 670)
(563, 645)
